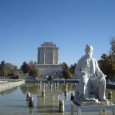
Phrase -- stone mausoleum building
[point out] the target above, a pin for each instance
(48, 59)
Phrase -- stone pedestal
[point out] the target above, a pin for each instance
(91, 102)
(49, 69)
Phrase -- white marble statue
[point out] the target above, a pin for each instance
(91, 78)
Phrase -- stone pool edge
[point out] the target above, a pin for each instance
(10, 84)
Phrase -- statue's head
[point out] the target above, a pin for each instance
(89, 51)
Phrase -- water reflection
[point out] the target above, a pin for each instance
(9, 91)
(30, 110)
(47, 105)
(32, 88)
(113, 95)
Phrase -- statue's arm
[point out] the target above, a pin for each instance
(78, 69)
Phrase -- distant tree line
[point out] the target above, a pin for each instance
(68, 71)
(8, 70)
(106, 63)
(30, 68)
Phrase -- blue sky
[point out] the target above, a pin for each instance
(70, 24)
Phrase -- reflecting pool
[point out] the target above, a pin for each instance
(13, 101)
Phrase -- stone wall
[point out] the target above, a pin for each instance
(48, 69)
(10, 84)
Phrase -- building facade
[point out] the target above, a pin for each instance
(48, 53)
(48, 59)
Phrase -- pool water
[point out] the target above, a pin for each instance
(13, 101)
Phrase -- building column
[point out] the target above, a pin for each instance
(52, 56)
(44, 56)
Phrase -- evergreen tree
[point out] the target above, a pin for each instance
(24, 67)
(3, 70)
(64, 66)
(72, 68)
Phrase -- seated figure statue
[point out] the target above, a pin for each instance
(91, 78)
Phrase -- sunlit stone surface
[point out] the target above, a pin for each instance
(48, 62)
(92, 82)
